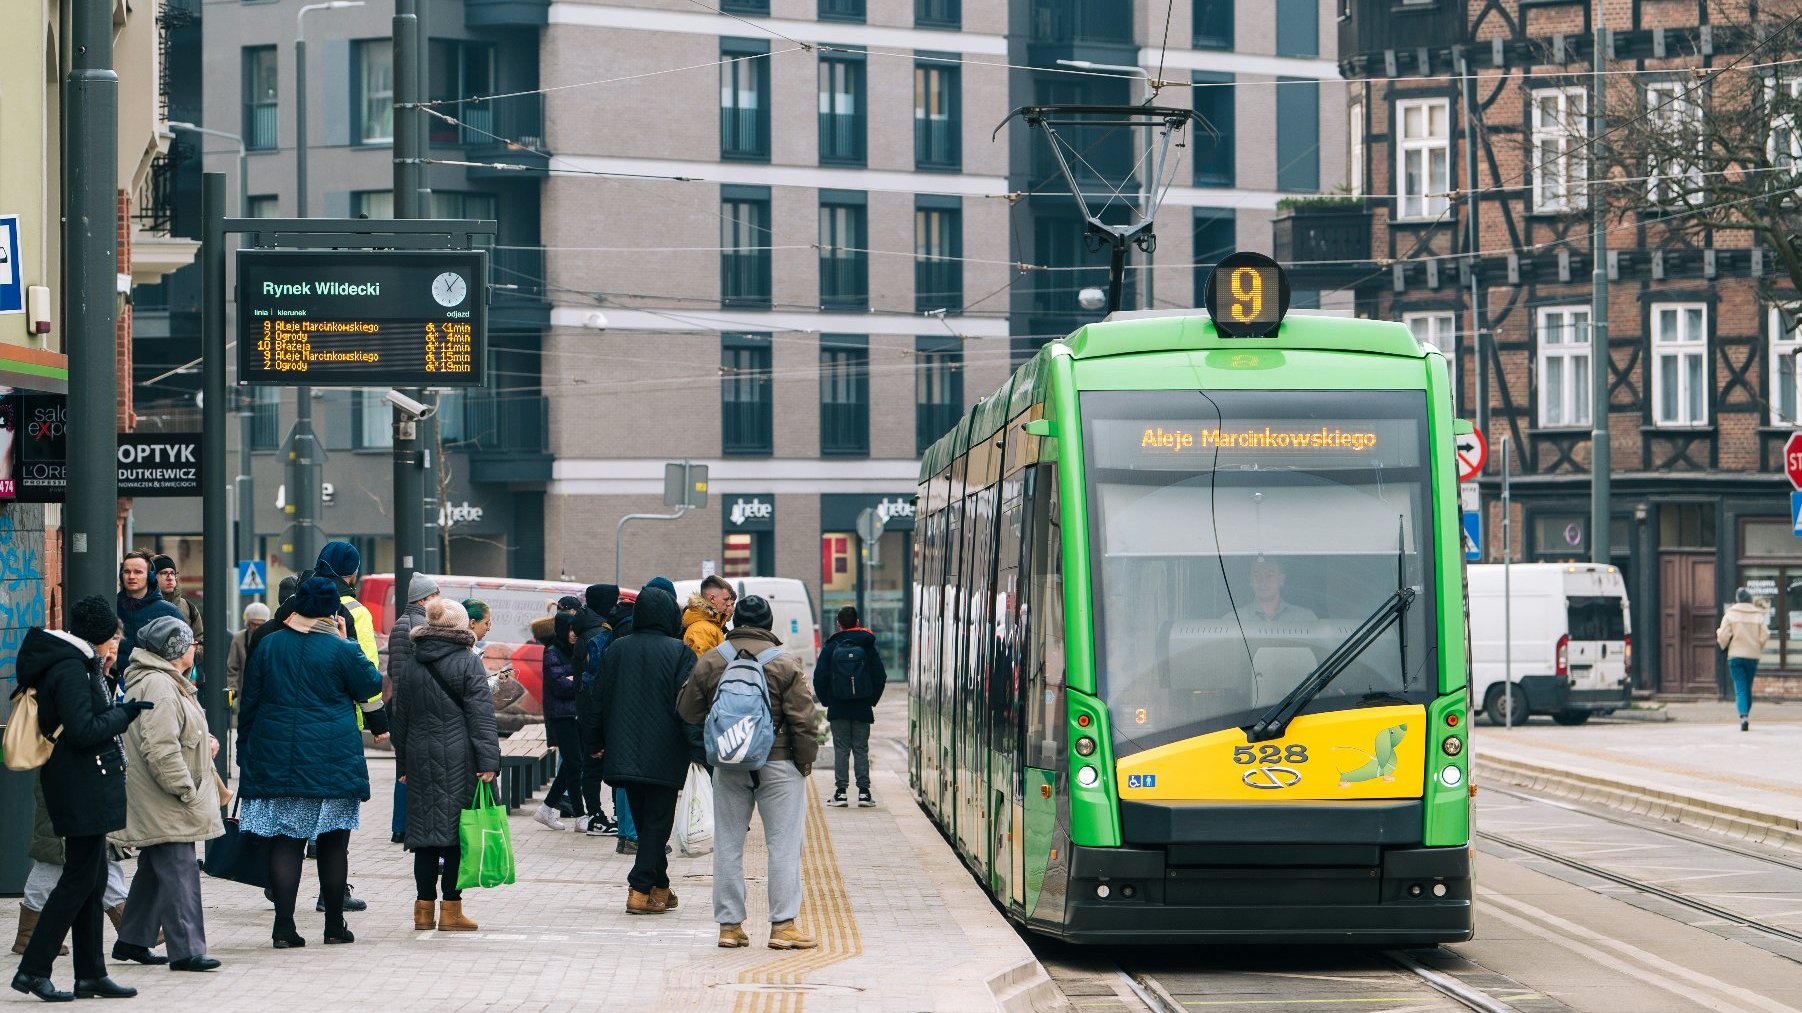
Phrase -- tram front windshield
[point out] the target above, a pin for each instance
(1238, 537)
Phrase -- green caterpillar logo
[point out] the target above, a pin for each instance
(1382, 762)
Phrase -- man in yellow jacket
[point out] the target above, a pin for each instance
(704, 621)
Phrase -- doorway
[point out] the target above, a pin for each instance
(1687, 617)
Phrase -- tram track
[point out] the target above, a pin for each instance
(1646, 824)
(1158, 998)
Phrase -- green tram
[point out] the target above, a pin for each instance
(1189, 648)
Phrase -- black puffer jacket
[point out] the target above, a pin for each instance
(84, 781)
(848, 710)
(400, 644)
(440, 743)
(634, 719)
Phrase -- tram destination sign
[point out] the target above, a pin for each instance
(362, 318)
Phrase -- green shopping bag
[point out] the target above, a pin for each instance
(487, 843)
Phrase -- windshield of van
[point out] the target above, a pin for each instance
(1596, 618)
(1241, 536)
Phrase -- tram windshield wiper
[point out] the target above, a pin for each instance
(1273, 723)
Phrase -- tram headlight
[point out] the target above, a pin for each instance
(1452, 745)
(1085, 746)
(1451, 777)
(1088, 776)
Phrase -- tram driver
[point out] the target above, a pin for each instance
(1268, 606)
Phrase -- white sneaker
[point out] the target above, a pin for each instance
(548, 816)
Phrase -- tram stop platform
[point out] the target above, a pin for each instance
(1694, 767)
(902, 926)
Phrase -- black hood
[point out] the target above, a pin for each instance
(559, 641)
(602, 598)
(585, 621)
(656, 612)
(620, 618)
(42, 651)
(857, 636)
(441, 643)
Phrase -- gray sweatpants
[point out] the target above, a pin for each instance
(165, 894)
(781, 798)
(43, 876)
(850, 739)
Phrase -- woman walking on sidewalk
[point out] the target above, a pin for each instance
(1742, 634)
(300, 755)
(444, 741)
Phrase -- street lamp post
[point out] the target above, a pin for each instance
(303, 499)
(246, 497)
(1146, 186)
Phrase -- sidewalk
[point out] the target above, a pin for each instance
(902, 927)
(1698, 768)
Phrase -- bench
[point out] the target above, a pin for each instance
(527, 764)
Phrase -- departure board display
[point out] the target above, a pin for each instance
(362, 318)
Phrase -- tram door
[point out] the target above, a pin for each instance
(1007, 844)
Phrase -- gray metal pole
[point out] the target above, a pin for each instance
(430, 537)
(304, 458)
(91, 130)
(1476, 291)
(1507, 593)
(247, 489)
(1601, 540)
(409, 484)
(215, 549)
(300, 125)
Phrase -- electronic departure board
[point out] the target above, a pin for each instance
(362, 318)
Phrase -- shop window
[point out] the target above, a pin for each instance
(747, 554)
(1771, 572)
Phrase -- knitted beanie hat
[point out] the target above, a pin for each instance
(166, 637)
(446, 613)
(317, 598)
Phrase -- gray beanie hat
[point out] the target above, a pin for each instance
(256, 612)
(166, 637)
(421, 586)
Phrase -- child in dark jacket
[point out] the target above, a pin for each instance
(564, 799)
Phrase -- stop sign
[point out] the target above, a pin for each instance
(1792, 459)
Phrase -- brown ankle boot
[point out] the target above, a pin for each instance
(450, 917)
(788, 936)
(422, 916)
(733, 936)
(643, 904)
(115, 914)
(663, 895)
(28, 923)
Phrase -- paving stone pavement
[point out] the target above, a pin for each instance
(903, 928)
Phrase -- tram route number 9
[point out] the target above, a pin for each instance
(1270, 753)
(1247, 296)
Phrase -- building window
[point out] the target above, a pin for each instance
(1558, 131)
(1213, 24)
(938, 254)
(459, 71)
(1355, 164)
(263, 205)
(1680, 364)
(747, 554)
(261, 88)
(1423, 155)
(1674, 112)
(1786, 345)
(745, 403)
(265, 418)
(937, 123)
(841, 10)
(844, 250)
(1298, 28)
(938, 13)
(745, 247)
(1216, 235)
(372, 421)
(757, 7)
(1564, 384)
(1213, 137)
(938, 389)
(1437, 329)
(1784, 147)
(373, 105)
(842, 109)
(375, 204)
(744, 100)
(1297, 134)
(844, 396)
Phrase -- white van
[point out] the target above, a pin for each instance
(790, 603)
(1572, 643)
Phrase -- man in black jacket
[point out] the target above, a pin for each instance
(850, 663)
(84, 792)
(645, 748)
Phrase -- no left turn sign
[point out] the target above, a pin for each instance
(1472, 452)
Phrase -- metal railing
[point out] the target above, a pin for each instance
(841, 137)
(844, 280)
(259, 126)
(506, 423)
(845, 425)
(745, 426)
(841, 10)
(1080, 21)
(932, 421)
(938, 285)
(936, 142)
(516, 122)
(516, 273)
(743, 132)
(745, 278)
(938, 13)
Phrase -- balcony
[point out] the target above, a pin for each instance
(507, 437)
(1368, 28)
(508, 131)
(1081, 29)
(506, 13)
(1323, 243)
(519, 302)
(938, 13)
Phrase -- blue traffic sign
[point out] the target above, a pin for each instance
(12, 271)
(1473, 536)
(1795, 513)
(253, 576)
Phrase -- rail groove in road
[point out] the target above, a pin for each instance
(1650, 824)
(1158, 998)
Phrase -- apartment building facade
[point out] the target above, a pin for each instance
(1701, 363)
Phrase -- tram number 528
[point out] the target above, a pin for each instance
(1270, 753)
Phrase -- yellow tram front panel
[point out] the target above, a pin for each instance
(1366, 753)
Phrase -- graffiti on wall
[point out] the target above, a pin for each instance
(21, 582)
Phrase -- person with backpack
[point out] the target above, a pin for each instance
(597, 621)
(848, 678)
(83, 778)
(563, 798)
(757, 715)
(644, 747)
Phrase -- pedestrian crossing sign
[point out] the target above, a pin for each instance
(252, 576)
(1795, 513)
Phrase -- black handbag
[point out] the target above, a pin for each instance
(238, 856)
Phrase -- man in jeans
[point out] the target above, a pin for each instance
(848, 678)
(778, 791)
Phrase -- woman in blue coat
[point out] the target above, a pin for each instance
(300, 753)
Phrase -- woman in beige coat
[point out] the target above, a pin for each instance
(171, 801)
(1743, 632)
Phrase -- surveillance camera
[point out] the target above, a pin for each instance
(406, 404)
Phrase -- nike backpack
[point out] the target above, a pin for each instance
(740, 728)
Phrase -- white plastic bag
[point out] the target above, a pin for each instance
(694, 814)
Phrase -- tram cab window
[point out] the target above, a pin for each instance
(1239, 538)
